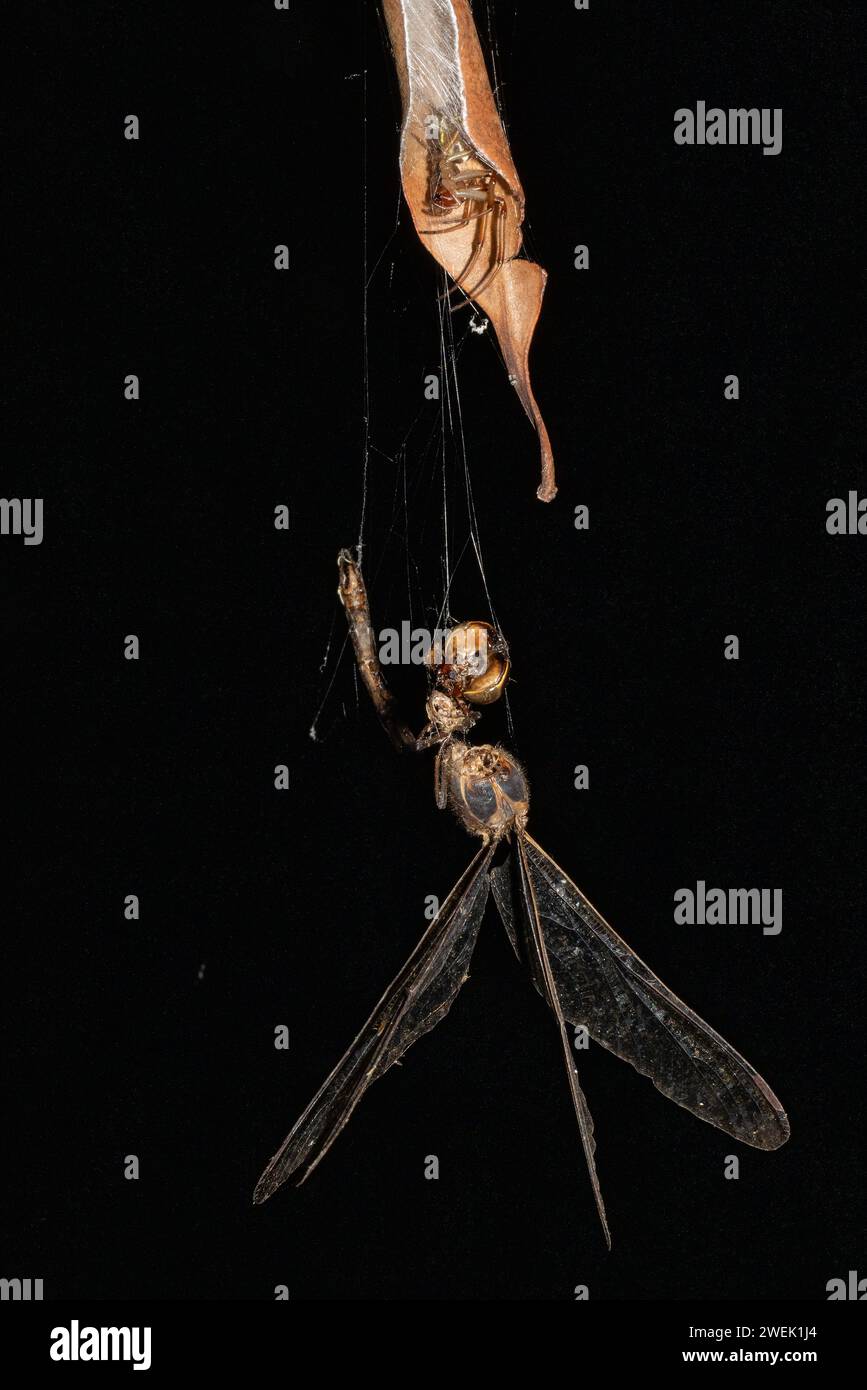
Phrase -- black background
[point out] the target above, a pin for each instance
(156, 777)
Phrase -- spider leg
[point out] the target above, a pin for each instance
(498, 211)
(480, 215)
(478, 247)
(462, 221)
(491, 202)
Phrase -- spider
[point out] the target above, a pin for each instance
(457, 185)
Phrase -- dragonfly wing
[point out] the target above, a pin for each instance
(602, 984)
(415, 1001)
(529, 940)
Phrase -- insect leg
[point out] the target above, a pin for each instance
(352, 593)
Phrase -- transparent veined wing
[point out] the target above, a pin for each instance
(415, 1001)
(535, 950)
(604, 985)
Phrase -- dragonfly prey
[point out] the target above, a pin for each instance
(584, 971)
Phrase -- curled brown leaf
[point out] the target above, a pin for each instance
(461, 185)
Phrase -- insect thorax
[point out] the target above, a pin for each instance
(487, 789)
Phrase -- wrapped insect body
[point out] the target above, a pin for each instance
(585, 972)
(461, 184)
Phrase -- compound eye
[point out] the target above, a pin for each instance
(488, 687)
(477, 651)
